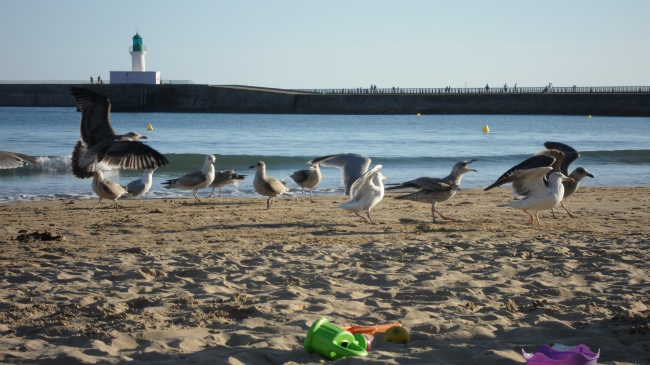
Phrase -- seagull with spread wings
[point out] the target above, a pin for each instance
(366, 192)
(11, 160)
(570, 155)
(99, 143)
(434, 190)
(351, 164)
(530, 182)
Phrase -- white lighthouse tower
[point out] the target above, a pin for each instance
(137, 51)
(138, 73)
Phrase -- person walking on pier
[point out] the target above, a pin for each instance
(505, 87)
(99, 79)
(91, 79)
(487, 88)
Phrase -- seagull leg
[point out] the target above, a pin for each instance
(366, 219)
(117, 208)
(370, 219)
(196, 198)
(437, 211)
(537, 216)
(311, 198)
(433, 211)
(568, 211)
(553, 212)
(100, 201)
(219, 191)
(532, 219)
(210, 193)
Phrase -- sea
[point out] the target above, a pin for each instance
(616, 150)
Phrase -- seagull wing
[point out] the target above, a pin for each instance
(557, 155)
(192, 179)
(300, 176)
(132, 155)
(363, 185)
(352, 164)
(95, 116)
(531, 182)
(530, 163)
(11, 160)
(426, 183)
(570, 154)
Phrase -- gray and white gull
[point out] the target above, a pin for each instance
(225, 178)
(138, 188)
(11, 160)
(268, 186)
(570, 187)
(530, 182)
(106, 189)
(366, 192)
(309, 178)
(435, 190)
(351, 164)
(99, 143)
(195, 180)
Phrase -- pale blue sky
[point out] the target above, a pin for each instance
(327, 44)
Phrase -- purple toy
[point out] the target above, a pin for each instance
(545, 355)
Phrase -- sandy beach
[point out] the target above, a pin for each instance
(173, 282)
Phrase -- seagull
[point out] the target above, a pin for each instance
(99, 143)
(570, 155)
(529, 181)
(224, 178)
(268, 186)
(366, 192)
(434, 190)
(11, 160)
(140, 187)
(106, 189)
(352, 164)
(195, 180)
(309, 178)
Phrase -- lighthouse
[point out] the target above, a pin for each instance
(137, 51)
(138, 73)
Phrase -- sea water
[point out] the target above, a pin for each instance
(616, 150)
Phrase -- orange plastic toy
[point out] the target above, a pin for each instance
(370, 330)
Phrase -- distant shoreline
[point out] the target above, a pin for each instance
(194, 98)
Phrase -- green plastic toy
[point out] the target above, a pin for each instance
(333, 342)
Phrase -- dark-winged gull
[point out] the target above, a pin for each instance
(351, 164)
(435, 190)
(106, 189)
(268, 186)
(11, 160)
(308, 179)
(530, 182)
(570, 155)
(99, 143)
(225, 178)
(139, 187)
(366, 192)
(195, 180)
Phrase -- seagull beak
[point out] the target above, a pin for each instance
(144, 137)
(590, 175)
(384, 178)
(252, 167)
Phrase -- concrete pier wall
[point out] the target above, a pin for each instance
(235, 99)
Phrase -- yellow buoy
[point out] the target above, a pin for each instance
(589, 116)
(418, 114)
(486, 129)
(149, 127)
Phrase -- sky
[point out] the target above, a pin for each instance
(334, 44)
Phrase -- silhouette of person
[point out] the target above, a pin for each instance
(91, 79)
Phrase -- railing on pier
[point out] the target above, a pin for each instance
(483, 90)
(81, 82)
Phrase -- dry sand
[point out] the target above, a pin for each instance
(170, 282)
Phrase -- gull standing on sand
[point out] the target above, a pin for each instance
(225, 178)
(106, 189)
(11, 160)
(140, 187)
(351, 164)
(570, 155)
(529, 181)
(195, 180)
(99, 143)
(268, 186)
(366, 192)
(434, 190)
(308, 179)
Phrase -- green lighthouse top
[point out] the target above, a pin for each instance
(137, 43)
